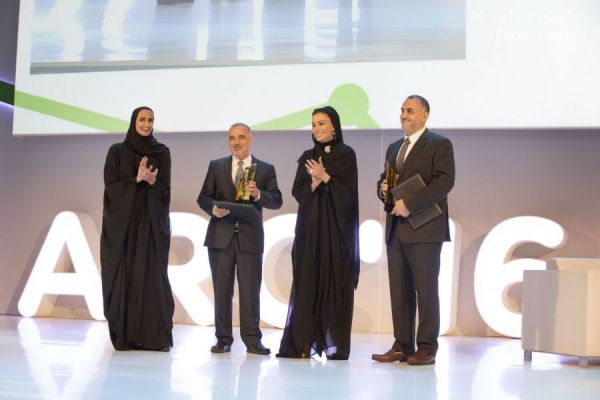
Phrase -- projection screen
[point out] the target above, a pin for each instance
(83, 65)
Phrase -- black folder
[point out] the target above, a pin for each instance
(239, 210)
(411, 186)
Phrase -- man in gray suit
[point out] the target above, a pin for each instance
(414, 254)
(237, 242)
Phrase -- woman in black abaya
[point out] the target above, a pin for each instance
(325, 253)
(136, 232)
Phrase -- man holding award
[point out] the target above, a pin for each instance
(235, 190)
(418, 176)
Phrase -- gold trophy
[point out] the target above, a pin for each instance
(391, 176)
(241, 192)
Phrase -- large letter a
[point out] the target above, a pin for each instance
(39, 294)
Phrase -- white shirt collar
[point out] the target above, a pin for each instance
(247, 161)
(415, 136)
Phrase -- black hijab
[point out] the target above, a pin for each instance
(142, 145)
(335, 121)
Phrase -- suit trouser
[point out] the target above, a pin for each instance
(413, 270)
(223, 264)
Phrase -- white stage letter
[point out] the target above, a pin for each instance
(448, 278)
(279, 233)
(185, 278)
(494, 275)
(44, 283)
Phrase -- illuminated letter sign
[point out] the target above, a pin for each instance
(39, 294)
(448, 278)
(279, 233)
(494, 276)
(185, 278)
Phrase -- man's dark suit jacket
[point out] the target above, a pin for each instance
(219, 186)
(432, 157)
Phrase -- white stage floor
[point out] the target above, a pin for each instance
(43, 358)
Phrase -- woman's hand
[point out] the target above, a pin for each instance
(317, 170)
(146, 173)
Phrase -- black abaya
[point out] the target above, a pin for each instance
(138, 302)
(325, 258)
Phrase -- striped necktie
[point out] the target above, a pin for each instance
(238, 173)
(402, 154)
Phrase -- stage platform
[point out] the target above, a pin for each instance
(47, 358)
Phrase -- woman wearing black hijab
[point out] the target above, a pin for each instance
(325, 255)
(136, 232)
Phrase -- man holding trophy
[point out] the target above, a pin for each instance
(235, 190)
(419, 174)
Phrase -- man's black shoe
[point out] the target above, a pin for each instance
(259, 349)
(220, 347)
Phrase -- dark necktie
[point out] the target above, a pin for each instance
(238, 173)
(402, 154)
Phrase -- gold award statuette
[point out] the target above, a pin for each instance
(391, 176)
(241, 194)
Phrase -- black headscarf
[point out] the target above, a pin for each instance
(142, 145)
(335, 121)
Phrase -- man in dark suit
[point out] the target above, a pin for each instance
(237, 242)
(414, 254)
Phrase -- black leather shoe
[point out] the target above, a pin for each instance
(259, 349)
(336, 356)
(421, 357)
(220, 347)
(390, 356)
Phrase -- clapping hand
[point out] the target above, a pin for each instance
(317, 170)
(146, 173)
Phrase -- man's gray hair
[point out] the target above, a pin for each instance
(421, 100)
(240, 125)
